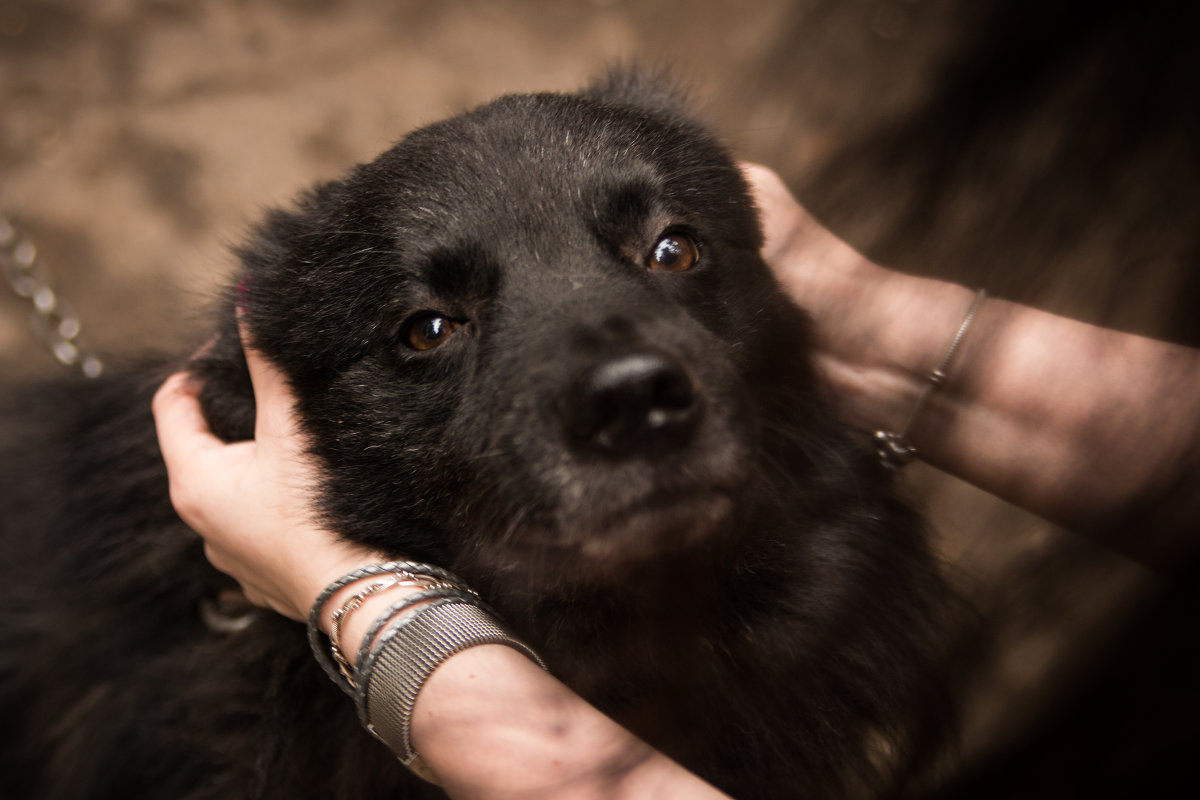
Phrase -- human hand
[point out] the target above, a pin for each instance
(252, 501)
(876, 331)
(818, 269)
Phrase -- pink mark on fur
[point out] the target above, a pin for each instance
(243, 292)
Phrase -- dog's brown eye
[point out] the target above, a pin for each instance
(674, 252)
(426, 331)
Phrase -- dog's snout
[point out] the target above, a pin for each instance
(635, 403)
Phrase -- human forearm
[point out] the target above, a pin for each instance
(1085, 426)
(1074, 422)
(528, 736)
(489, 723)
(1092, 428)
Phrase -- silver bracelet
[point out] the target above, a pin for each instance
(339, 617)
(393, 673)
(894, 449)
(411, 568)
(397, 612)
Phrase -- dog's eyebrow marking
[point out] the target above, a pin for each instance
(464, 272)
(620, 208)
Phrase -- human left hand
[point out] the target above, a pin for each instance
(252, 501)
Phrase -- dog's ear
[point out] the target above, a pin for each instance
(308, 297)
(642, 87)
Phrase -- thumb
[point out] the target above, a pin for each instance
(274, 402)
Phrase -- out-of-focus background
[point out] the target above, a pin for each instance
(1047, 150)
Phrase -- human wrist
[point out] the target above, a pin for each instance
(416, 617)
(877, 349)
(315, 566)
(312, 588)
(361, 601)
(356, 625)
(499, 706)
(446, 678)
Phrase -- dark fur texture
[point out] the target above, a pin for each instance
(737, 584)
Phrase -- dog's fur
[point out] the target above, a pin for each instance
(638, 468)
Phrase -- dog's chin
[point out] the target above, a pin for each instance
(662, 527)
(603, 548)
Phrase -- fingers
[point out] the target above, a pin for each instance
(186, 443)
(759, 175)
(272, 393)
(179, 422)
(782, 218)
(765, 183)
(268, 381)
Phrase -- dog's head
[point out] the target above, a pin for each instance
(539, 332)
(536, 344)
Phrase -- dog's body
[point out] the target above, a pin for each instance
(535, 344)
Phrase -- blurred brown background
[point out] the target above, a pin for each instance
(1045, 150)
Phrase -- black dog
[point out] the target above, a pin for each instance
(535, 344)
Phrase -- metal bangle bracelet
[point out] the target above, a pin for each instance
(339, 617)
(392, 675)
(401, 610)
(314, 616)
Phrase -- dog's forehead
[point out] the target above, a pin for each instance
(532, 184)
(525, 162)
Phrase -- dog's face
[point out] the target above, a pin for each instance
(536, 344)
(545, 323)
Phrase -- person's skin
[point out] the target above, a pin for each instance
(489, 723)
(1091, 428)
(1082, 425)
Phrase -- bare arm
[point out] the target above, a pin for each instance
(1085, 426)
(488, 722)
(1082, 425)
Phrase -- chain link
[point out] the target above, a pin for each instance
(54, 323)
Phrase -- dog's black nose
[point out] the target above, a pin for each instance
(639, 402)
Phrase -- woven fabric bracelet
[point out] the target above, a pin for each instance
(894, 449)
(391, 676)
(326, 661)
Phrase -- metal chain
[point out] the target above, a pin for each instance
(54, 323)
